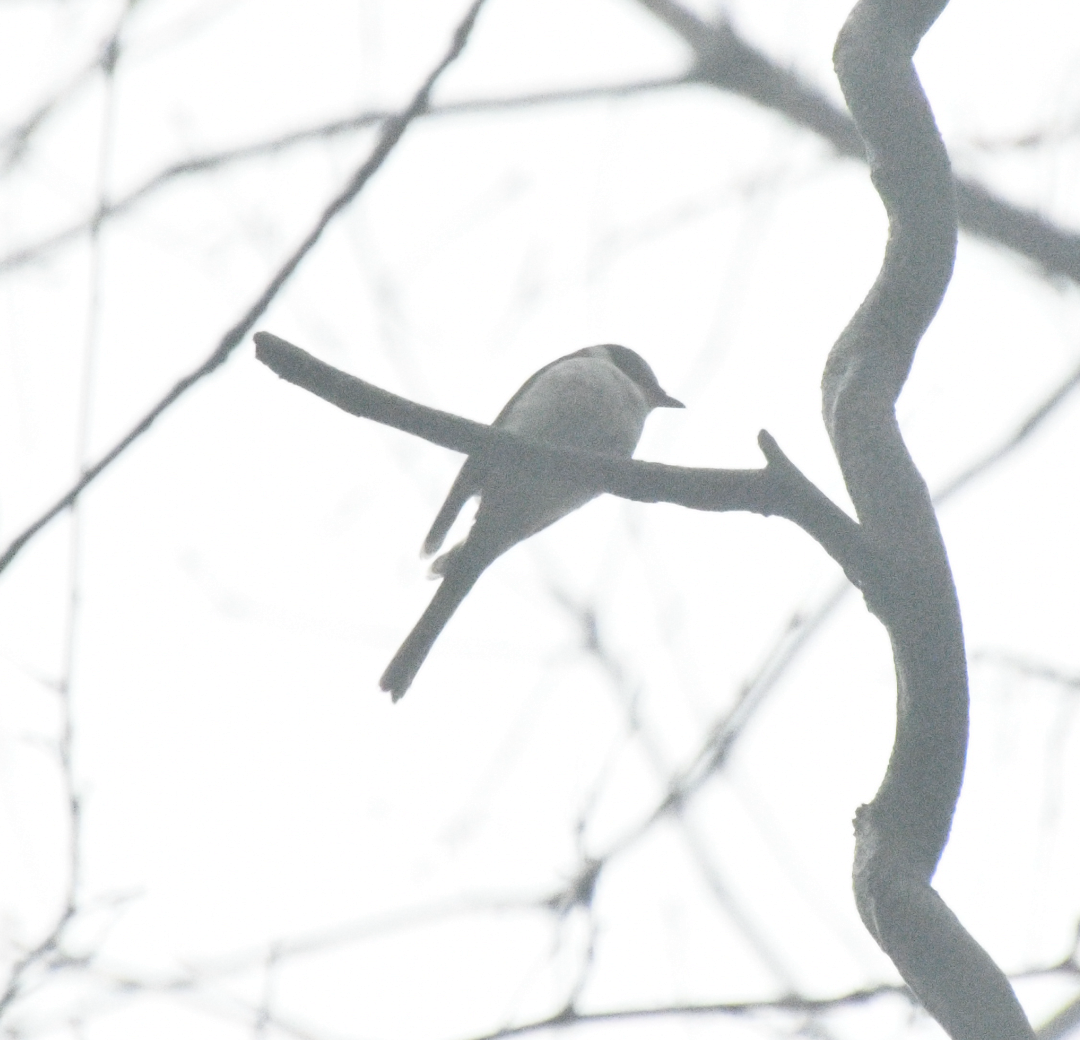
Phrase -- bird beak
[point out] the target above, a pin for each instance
(667, 401)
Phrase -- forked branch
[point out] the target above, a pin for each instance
(778, 489)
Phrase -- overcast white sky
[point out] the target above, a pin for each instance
(245, 571)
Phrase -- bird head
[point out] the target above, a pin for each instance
(636, 368)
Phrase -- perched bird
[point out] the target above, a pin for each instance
(597, 400)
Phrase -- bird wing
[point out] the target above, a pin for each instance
(469, 481)
(528, 384)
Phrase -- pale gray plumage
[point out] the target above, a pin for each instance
(596, 399)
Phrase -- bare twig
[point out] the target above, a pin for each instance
(197, 984)
(37, 955)
(1037, 417)
(14, 142)
(695, 842)
(324, 131)
(1030, 668)
(569, 1016)
(318, 943)
(807, 623)
(50, 945)
(392, 131)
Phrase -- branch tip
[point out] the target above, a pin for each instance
(770, 449)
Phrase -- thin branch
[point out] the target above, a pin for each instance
(1032, 423)
(319, 943)
(779, 489)
(729, 62)
(696, 846)
(65, 743)
(1031, 669)
(35, 251)
(15, 141)
(392, 131)
(570, 1017)
(193, 985)
(39, 953)
(717, 746)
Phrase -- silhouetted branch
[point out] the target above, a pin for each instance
(197, 983)
(1038, 416)
(695, 844)
(779, 489)
(391, 133)
(14, 142)
(901, 833)
(211, 161)
(1031, 669)
(316, 943)
(39, 954)
(569, 1016)
(49, 954)
(806, 624)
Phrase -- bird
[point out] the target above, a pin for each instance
(597, 400)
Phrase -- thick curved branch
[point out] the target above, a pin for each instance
(208, 162)
(779, 489)
(900, 835)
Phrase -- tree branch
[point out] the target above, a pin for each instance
(724, 60)
(21, 256)
(798, 1005)
(778, 489)
(901, 833)
(392, 131)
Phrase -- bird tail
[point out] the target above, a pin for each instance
(461, 571)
